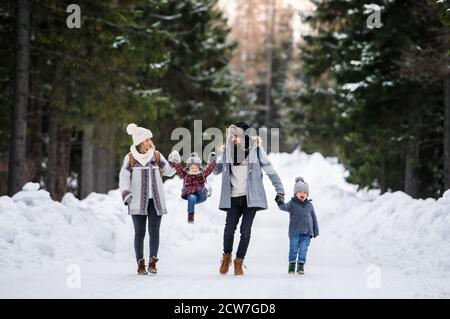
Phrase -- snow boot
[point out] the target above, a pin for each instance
(190, 218)
(152, 265)
(141, 267)
(291, 268)
(300, 269)
(225, 265)
(238, 263)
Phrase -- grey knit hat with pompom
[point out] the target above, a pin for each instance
(300, 186)
(194, 159)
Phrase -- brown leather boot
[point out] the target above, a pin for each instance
(152, 265)
(141, 267)
(225, 265)
(238, 263)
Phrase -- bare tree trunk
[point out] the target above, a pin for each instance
(412, 159)
(17, 158)
(62, 162)
(383, 175)
(52, 153)
(101, 158)
(271, 31)
(447, 134)
(105, 170)
(87, 162)
(112, 169)
(412, 182)
(34, 142)
(58, 159)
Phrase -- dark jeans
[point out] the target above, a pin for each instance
(139, 222)
(238, 208)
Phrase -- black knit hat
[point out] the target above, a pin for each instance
(243, 125)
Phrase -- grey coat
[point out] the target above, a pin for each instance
(303, 218)
(256, 195)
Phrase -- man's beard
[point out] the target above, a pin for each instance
(239, 153)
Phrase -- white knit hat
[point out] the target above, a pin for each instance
(300, 186)
(139, 134)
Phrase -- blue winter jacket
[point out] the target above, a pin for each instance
(303, 218)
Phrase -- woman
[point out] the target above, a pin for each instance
(142, 191)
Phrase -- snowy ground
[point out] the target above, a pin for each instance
(370, 246)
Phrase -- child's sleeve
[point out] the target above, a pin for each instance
(209, 169)
(179, 169)
(315, 224)
(285, 206)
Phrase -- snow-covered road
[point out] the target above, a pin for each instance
(191, 271)
(370, 246)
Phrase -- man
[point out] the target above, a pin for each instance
(242, 193)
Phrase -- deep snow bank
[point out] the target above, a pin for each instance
(35, 229)
(389, 229)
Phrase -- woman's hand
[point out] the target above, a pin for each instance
(128, 201)
(174, 157)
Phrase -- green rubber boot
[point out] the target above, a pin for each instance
(300, 269)
(291, 268)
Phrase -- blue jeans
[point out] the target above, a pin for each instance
(195, 198)
(298, 245)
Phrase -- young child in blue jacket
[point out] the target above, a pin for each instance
(302, 224)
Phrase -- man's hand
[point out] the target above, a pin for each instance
(279, 199)
(212, 157)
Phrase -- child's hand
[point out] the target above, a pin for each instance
(279, 199)
(174, 157)
(212, 157)
(128, 201)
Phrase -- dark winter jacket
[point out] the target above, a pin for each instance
(303, 219)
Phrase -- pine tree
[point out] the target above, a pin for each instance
(7, 43)
(443, 8)
(157, 63)
(17, 170)
(197, 80)
(379, 119)
(87, 77)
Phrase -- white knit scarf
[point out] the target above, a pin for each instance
(143, 159)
